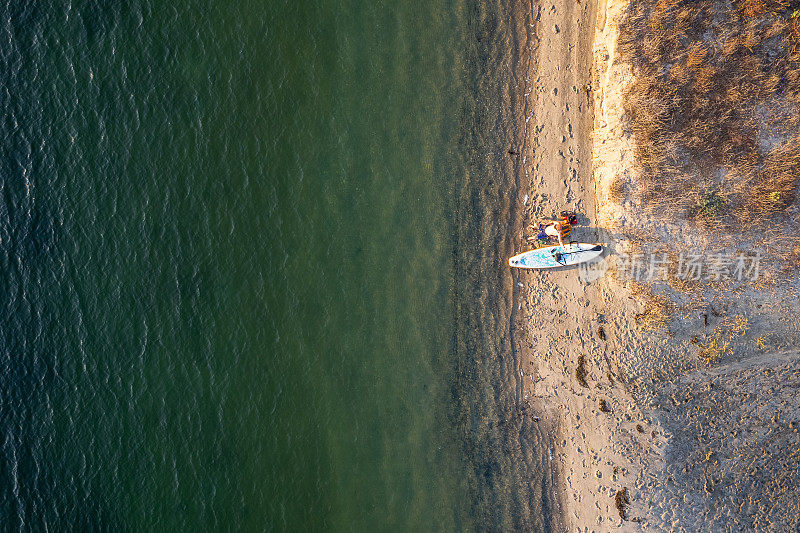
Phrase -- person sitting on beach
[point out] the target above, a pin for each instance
(542, 237)
(563, 229)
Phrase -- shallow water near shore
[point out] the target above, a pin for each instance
(255, 268)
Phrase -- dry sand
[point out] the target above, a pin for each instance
(694, 447)
(561, 313)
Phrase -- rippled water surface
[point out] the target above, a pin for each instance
(253, 267)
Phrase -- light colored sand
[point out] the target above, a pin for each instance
(697, 448)
(561, 312)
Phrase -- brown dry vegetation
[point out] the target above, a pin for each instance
(715, 106)
(616, 192)
(719, 343)
(658, 308)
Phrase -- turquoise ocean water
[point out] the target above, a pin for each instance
(254, 268)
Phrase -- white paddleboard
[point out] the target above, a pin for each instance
(557, 256)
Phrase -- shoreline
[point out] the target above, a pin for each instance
(599, 441)
(555, 308)
(529, 25)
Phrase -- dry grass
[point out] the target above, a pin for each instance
(685, 285)
(714, 106)
(720, 342)
(658, 308)
(616, 192)
(714, 349)
(791, 262)
(761, 342)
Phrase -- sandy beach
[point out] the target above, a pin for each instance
(561, 314)
(642, 428)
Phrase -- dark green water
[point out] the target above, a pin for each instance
(253, 259)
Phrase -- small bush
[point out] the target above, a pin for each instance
(719, 343)
(710, 205)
